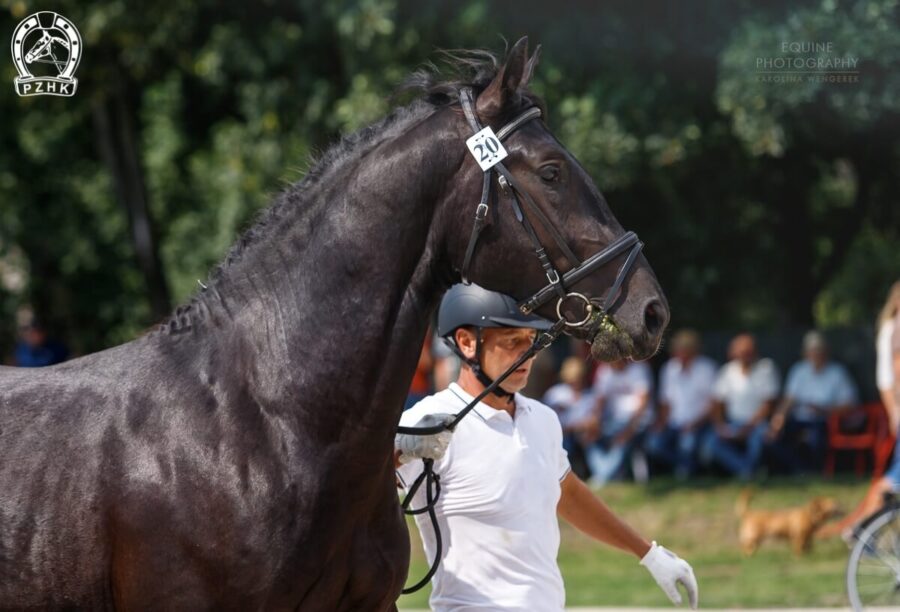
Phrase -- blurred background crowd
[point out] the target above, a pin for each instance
(738, 412)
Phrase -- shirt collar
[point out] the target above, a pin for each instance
(483, 410)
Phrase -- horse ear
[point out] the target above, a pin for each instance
(508, 79)
(531, 65)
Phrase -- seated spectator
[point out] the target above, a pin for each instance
(621, 414)
(744, 395)
(446, 364)
(421, 383)
(685, 396)
(36, 349)
(573, 402)
(815, 388)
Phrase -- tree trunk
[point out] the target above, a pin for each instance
(114, 127)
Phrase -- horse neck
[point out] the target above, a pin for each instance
(326, 319)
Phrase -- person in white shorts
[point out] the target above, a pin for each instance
(505, 476)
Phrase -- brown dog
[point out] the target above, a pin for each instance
(795, 524)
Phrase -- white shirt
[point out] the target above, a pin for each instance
(622, 390)
(500, 484)
(884, 367)
(687, 390)
(744, 393)
(570, 409)
(829, 387)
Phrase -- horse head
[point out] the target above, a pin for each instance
(546, 235)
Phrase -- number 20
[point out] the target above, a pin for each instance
(488, 149)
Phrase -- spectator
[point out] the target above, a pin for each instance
(622, 412)
(36, 349)
(850, 525)
(815, 388)
(446, 364)
(884, 373)
(744, 394)
(685, 395)
(573, 402)
(421, 382)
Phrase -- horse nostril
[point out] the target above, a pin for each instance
(655, 317)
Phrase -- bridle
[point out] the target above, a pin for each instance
(557, 286)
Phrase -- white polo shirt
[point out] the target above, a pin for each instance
(622, 391)
(500, 484)
(743, 393)
(688, 391)
(828, 388)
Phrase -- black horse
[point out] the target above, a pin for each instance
(239, 456)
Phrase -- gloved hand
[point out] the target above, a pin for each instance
(669, 570)
(412, 446)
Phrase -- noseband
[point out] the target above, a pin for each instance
(558, 285)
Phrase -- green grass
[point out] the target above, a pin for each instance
(698, 522)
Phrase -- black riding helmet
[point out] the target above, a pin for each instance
(474, 306)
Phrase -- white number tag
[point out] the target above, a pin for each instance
(486, 148)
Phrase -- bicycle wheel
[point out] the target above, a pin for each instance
(873, 572)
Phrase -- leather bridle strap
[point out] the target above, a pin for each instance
(468, 105)
(558, 285)
(626, 241)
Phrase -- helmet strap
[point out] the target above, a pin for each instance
(475, 365)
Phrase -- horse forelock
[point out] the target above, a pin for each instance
(462, 68)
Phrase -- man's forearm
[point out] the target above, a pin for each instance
(587, 513)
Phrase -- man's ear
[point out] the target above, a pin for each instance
(467, 342)
(513, 74)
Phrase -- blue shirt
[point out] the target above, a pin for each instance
(827, 388)
(50, 352)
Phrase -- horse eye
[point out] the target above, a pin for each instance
(549, 173)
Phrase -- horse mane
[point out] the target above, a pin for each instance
(430, 87)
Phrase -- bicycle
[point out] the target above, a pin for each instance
(873, 571)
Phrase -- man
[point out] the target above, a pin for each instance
(35, 349)
(505, 476)
(622, 414)
(816, 388)
(744, 394)
(685, 399)
(573, 402)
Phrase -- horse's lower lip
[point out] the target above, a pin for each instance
(613, 344)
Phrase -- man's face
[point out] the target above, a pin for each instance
(618, 364)
(743, 348)
(34, 336)
(500, 348)
(817, 356)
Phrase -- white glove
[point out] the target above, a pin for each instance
(669, 570)
(413, 446)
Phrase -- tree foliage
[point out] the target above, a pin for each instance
(761, 204)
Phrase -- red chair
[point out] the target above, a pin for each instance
(874, 440)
